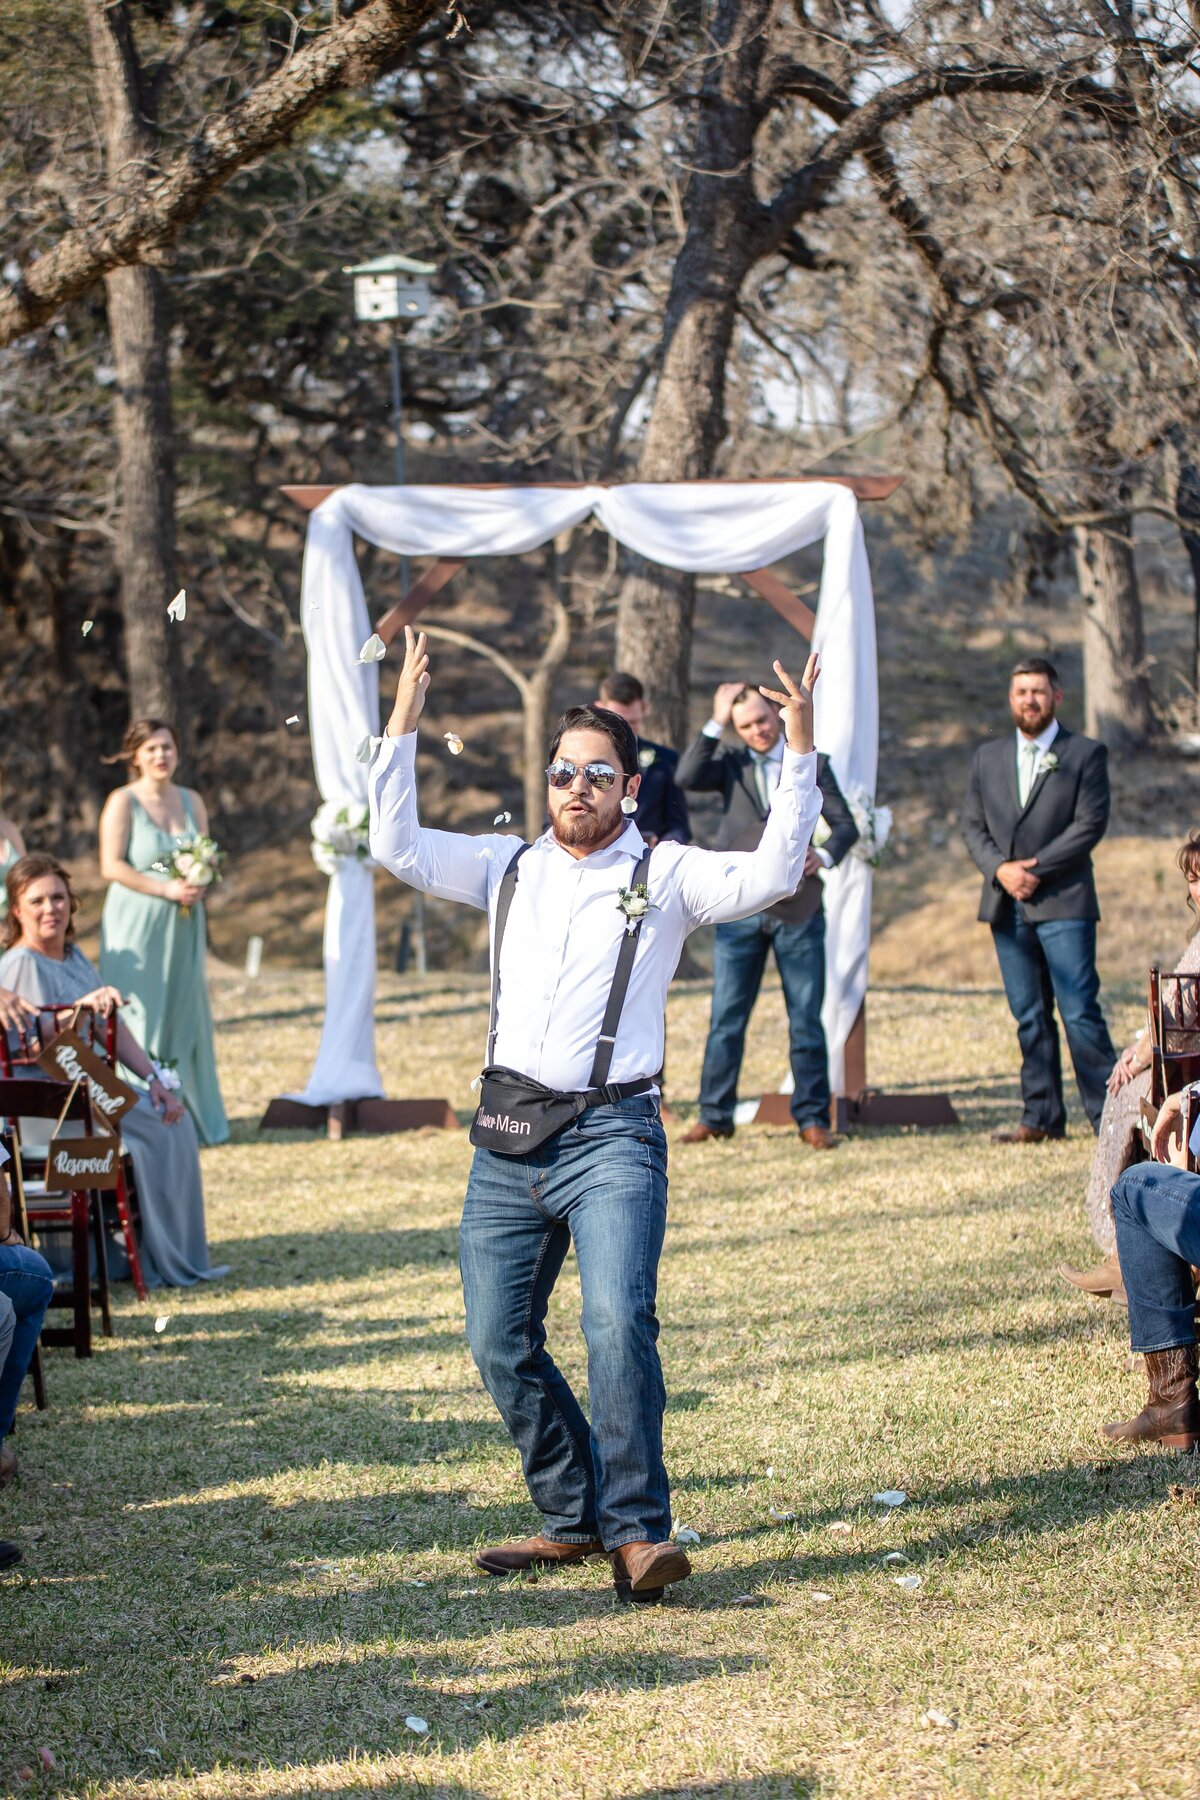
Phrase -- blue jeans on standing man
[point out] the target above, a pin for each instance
(1156, 1210)
(1055, 961)
(601, 1184)
(739, 959)
(25, 1281)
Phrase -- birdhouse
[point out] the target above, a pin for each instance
(392, 287)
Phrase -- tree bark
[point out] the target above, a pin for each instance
(687, 420)
(137, 324)
(1116, 684)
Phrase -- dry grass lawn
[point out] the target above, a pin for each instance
(248, 1536)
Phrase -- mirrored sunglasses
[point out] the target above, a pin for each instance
(599, 775)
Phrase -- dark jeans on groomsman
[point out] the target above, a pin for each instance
(1042, 964)
(600, 1184)
(26, 1282)
(739, 959)
(1156, 1210)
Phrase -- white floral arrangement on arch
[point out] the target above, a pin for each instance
(874, 825)
(340, 829)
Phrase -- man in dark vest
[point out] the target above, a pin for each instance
(1036, 807)
(746, 777)
(662, 809)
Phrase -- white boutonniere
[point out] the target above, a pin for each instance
(1047, 764)
(646, 756)
(635, 903)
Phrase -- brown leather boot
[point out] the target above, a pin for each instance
(642, 1571)
(534, 1553)
(702, 1134)
(1171, 1415)
(1104, 1281)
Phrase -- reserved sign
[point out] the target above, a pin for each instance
(82, 1162)
(68, 1058)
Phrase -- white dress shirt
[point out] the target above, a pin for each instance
(565, 926)
(1043, 741)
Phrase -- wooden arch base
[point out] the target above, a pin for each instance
(860, 1104)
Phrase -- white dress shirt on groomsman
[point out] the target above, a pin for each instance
(587, 926)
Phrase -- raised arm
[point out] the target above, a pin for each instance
(449, 863)
(719, 885)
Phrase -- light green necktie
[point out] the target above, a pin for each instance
(761, 783)
(1027, 771)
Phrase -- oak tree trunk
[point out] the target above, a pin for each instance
(138, 330)
(1116, 683)
(687, 420)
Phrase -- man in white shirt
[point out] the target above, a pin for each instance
(600, 1182)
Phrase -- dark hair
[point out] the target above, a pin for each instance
(598, 718)
(135, 736)
(625, 689)
(1035, 665)
(744, 693)
(1188, 859)
(24, 872)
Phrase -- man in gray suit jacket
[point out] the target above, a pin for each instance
(746, 778)
(1036, 807)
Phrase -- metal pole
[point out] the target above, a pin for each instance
(420, 947)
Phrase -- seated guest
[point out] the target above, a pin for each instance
(43, 965)
(1119, 1138)
(27, 1284)
(661, 808)
(1156, 1211)
(10, 1553)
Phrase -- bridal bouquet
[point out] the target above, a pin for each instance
(196, 860)
(340, 828)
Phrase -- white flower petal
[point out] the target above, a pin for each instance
(374, 650)
(504, 818)
(294, 720)
(87, 626)
(819, 1594)
(420, 1726)
(839, 1525)
(890, 1497)
(910, 1583)
(770, 1474)
(781, 1518)
(746, 1600)
(177, 610)
(454, 743)
(162, 1321)
(940, 1721)
(895, 1556)
(685, 1535)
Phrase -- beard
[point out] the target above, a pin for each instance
(579, 830)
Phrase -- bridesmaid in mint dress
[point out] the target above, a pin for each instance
(152, 936)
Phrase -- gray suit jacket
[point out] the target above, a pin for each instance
(1062, 821)
(708, 767)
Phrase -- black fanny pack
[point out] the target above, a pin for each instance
(517, 1114)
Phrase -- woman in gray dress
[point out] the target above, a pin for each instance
(42, 964)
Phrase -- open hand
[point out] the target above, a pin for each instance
(167, 1101)
(16, 1013)
(103, 1000)
(1123, 1070)
(1166, 1126)
(796, 705)
(412, 685)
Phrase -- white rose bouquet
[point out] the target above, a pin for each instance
(340, 828)
(197, 860)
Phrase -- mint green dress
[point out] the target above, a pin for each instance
(9, 857)
(155, 955)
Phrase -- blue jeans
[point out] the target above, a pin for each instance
(1042, 964)
(26, 1281)
(602, 1184)
(739, 959)
(1156, 1210)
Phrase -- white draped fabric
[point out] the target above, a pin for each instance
(701, 527)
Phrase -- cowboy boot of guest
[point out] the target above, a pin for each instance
(1171, 1415)
(1103, 1282)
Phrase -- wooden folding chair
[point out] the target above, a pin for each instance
(101, 1036)
(79, 1211)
